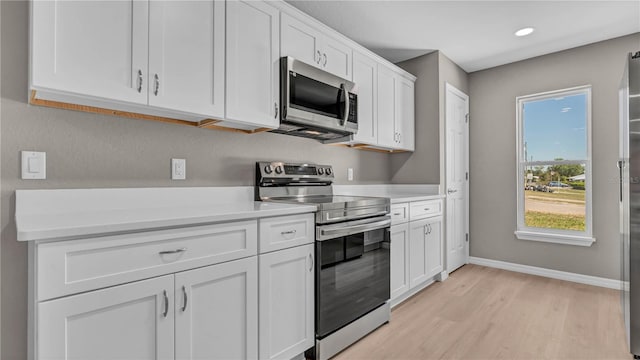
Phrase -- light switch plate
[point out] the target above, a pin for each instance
(34, 165)
(178, 169)
(350, 174)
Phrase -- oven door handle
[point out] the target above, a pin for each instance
(338, 231)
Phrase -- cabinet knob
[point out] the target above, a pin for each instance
(166, 303)
(139, 81)
(157, 84)
(184, 298)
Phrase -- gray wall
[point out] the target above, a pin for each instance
(85, 150)
(426, 164)
(493, 155)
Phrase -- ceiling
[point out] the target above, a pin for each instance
(474, 34)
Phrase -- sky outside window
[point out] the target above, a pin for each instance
(555, 128)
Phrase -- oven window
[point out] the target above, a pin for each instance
(353, 278)
(314, 96)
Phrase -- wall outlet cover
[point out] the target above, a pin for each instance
(350, 174)
(34, 165)
(178, 169)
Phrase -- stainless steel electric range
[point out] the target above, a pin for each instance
(352, 287)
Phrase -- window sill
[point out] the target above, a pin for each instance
(555, 238)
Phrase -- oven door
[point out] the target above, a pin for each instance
(316, 98)
(353, 274)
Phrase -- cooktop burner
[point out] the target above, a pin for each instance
(311, 184)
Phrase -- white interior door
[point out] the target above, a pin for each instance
(457, 170)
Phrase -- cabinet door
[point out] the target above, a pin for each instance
(93, 48)
(252, 63)
(132, 321)
(399, 260)
(186, 56)
(404, 113)
(365, 77)
(418, 267)
(300, 41)
(337, 58)
(217, 311)
(434, 242)
(387, 135)
(286, 302)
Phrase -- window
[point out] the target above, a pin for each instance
(554, 167)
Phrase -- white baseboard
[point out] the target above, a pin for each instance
(554, 274)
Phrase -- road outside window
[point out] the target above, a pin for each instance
(554, 166)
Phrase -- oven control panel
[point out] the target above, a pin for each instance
(301, 172)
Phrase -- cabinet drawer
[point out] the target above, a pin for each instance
(425, 209)
(283, 232)
(69, 267)
(399, 213)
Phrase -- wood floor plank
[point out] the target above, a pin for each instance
(486, 313)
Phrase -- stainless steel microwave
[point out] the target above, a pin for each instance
(316, 104)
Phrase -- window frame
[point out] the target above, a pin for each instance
(567, 237)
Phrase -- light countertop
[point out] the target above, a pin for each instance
(38, 219)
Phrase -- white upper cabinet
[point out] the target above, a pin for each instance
(366, 79)
(253, 47)
(396, 128)
(91, 48)
(186, 56)
(387, 134)
(305, 43)
(405, 113)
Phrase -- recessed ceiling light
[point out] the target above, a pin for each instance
(524, 31)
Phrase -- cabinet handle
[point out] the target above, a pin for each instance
(451, 191)
(184, 298)
(288, 232)
(166, 303)
(426, 209)
(397, 214)
(139, 81)
(319, 57)
(157, 83)
(325, 59)
(311, 258)
(176, 251)
(275, 106)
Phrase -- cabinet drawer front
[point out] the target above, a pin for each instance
(425, 209)
(283, 232)
(69, 267)
(399, 213)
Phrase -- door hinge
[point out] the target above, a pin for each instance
(466, 175)
(467, 237)
(466, 118)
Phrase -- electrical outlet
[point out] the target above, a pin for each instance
(350, 174)
(178, 169)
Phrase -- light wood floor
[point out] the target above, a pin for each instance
(485, 313)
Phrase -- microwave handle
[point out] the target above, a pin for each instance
(346, 105)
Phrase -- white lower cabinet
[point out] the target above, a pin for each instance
(286, 302)
(416, 251)
(399, 260)
(187, 293)
(132, 321)
(426, 250)
(216, 311)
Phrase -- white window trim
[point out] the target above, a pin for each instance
(567, 237)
